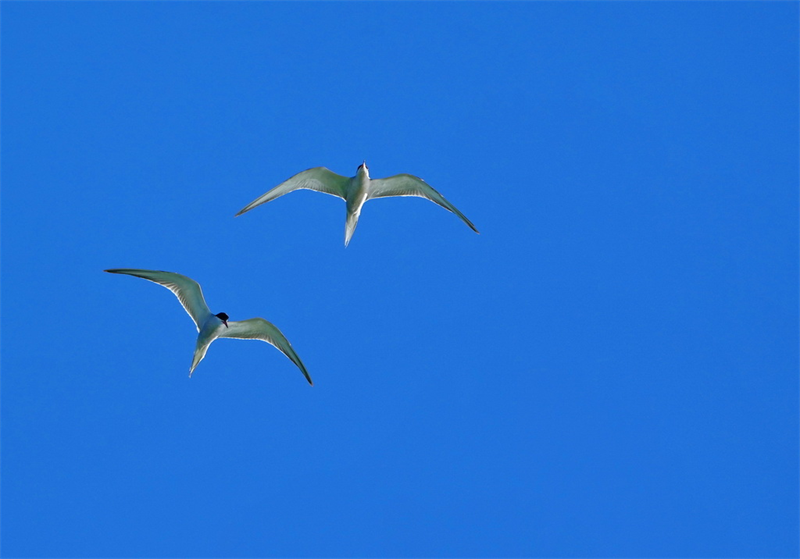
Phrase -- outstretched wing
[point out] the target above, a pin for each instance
(318, 178)
(409, 185)
(260, 329)
(185, 289)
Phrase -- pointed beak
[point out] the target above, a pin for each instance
(225, 322)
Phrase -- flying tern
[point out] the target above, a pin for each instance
(356, 191)
(212, 326)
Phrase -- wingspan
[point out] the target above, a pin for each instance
(409, 185)
(185, 289)
(318, 178)
(260, 329)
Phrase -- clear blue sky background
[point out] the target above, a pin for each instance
(610, 369)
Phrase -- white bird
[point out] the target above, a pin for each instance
(356, 191)
(212, 326)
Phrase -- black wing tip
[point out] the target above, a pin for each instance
(246, 209)
(471, 226)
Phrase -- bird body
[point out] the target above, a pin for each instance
(212, 326)
(212, 329)
(356, 191)
(357, 195)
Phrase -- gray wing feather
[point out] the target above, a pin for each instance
(260, 329)
(318, 178)
(185, 289)
(409, 185)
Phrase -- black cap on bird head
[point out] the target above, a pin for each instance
(363, 164)
(223, 317)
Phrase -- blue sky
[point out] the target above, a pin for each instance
(610, 369)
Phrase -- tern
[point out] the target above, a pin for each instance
(212, 326)
(356, 191)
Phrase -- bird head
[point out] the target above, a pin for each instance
(366, 169)
(223, 317)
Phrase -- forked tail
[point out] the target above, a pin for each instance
(350, 225)
(199, 353)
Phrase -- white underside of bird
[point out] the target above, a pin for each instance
(355, 191)
(212, 326)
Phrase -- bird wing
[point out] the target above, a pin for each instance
(409, 185)
(185, 289)
(260, 329)
(318, 178)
